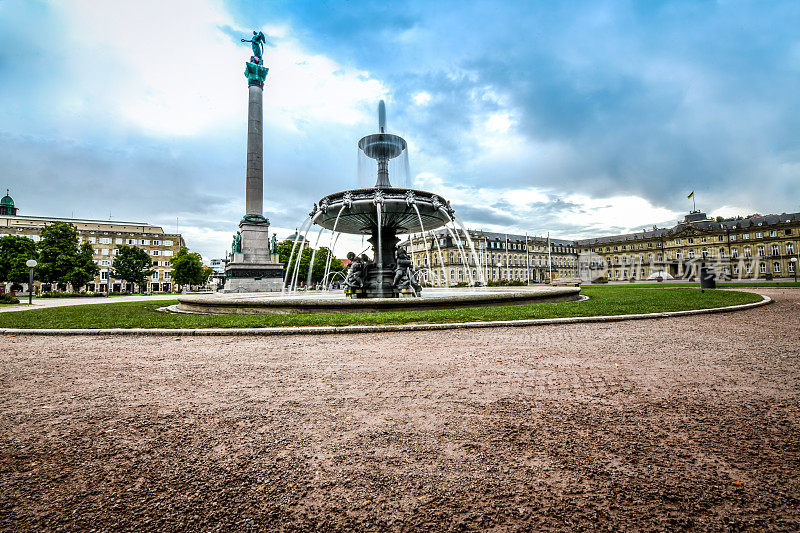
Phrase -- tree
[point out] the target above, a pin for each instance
(58, 252)
(14, 251)
(85, 269)
(207, 271)
(187, 268)
(320, 260)
(132, 264)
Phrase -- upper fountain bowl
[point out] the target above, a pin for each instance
(382, 145)
(402, 211)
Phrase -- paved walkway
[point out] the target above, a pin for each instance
(41, 303)
(683, 423)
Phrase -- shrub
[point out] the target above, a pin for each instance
(8, 298)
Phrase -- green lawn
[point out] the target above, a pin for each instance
(604, 300)
(725, 285)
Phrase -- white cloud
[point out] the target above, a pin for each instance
(168, 68)
(606, 214)
(422, 98)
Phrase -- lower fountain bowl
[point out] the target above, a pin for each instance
(326, 302)
(398, 212)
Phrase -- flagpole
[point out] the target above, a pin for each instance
(694, 205)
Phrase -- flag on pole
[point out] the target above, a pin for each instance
(690, 196)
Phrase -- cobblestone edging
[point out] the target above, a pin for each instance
(326, 330)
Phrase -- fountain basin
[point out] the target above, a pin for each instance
(325, 302)
(359, 215)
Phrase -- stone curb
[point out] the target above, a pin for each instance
(327, 330)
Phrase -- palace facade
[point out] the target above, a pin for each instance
(742, 247)
(104, 236)
(752, 247)
(444, 258)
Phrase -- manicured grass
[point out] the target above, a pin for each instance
(724, 285)
(604, 300)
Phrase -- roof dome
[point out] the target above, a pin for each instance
(7, 205)
(7, 201)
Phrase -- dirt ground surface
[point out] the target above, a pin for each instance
(681, 423)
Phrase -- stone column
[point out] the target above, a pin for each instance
(254, 187)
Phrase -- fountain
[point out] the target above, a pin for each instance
(381, 283)
(383, 212)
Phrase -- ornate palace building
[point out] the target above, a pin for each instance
(445, 259)
(752, 247)
(104, 236)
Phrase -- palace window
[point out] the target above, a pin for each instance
(749, 268)
(704, 253)
(733, 237)
(787, 232)
(677, 241)
(735, 269)
(760, 251)
(789, 248)
(118, 240)
(167, 243)
(155, 275)
(763, 268)
(776, 250)
(791, 266)
(721, 238)
(759, 235)
(734, 252)
(722, 253)
(746, 236)
(691, 254)
(773, 233)
(747, 252)
(776, 267)
(690, 240)
(702, 239)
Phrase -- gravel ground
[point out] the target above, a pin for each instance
(660, 424)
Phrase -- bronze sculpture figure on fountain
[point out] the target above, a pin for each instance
(356, 273)
(404, 275)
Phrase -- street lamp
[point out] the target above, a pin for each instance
(794, 267)
(30, 263)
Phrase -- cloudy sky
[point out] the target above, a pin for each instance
(577, 118)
